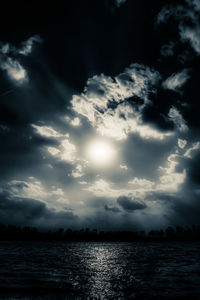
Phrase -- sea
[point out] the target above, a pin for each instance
(145, 270)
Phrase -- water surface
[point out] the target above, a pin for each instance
(99, 270)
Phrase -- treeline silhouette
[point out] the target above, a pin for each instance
(16, 233)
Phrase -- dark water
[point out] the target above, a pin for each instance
(99, 270)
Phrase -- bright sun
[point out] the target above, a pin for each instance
(101, 153)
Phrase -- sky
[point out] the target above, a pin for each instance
(99, 115)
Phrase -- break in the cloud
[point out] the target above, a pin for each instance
(114, 106)
(176, 80)
(10, 59)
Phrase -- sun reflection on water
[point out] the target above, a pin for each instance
(103, 265)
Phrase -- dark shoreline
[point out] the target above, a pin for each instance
(27, 233)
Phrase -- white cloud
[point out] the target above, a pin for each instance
(182, 143)
(78, 172)
(101, 188)
(138, 187)
(14, 70)
(57, 192)
(75, 122)
(53, 150)
(68, 151)
(141, 183)
(28, 189)
(177, 118)
(65, 150)
(123, 167)
(176, 80)
(83, 182)
(195, 146)
(47, 131)
(32, 188)
(105, 104)
(171, 180)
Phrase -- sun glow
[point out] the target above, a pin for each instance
(101, 153)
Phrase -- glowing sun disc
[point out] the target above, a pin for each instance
(100, 153)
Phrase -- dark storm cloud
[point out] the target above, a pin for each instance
(24, 211)
(129, 204)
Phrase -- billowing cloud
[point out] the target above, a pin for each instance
(114, 105)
